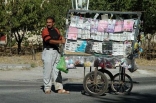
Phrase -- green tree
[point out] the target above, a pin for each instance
(30, 15)
(149, 8)
(58, 9)
(23, 18)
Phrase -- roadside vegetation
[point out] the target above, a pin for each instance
(22, 19)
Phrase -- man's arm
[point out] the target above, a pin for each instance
(55, 41)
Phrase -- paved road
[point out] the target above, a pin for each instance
(25, 86)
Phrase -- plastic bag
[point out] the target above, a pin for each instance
(62, 65)
(69, 62)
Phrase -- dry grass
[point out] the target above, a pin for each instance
(22, 59)
(145, 62)
(27, 59)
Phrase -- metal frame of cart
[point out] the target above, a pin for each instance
(121, 76)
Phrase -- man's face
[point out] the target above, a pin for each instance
(50, 23)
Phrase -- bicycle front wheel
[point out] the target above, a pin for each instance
(122, 83)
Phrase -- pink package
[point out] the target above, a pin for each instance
(72, 33)
(118, 26)
(102, 25)
(128, 25)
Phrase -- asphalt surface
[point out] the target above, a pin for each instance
(26, 86)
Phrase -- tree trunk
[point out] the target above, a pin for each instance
(19, 47)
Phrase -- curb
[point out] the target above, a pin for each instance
(14, 66)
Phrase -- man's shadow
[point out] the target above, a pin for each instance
(76, 87)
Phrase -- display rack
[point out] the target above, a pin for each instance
(86, 39)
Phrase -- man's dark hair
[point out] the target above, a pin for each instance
(50, 17)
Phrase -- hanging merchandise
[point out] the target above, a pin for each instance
(111, 25)
(73, 22)
(94, 33)
(102, 25)
(93, 36)
(67, 45)
(70, 46)
(107, 47)
(86, 23)
(136, 45)
(128, 25)
(129, 35)
(89, 47)
(100, 36)
(80, 22)
(72, 33)
(119, 26)
(85, 34)
(111, 36)
(128, 50)
(73, 46)
(118, 48)
(116, 36)
(81, 46)
(97, 47)
(94, 26)
(80, 32)
(105, 36)
(136, 48)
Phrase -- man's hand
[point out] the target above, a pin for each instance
(63, 40)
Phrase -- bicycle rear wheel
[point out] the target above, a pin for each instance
(95, 88)
(122, 83)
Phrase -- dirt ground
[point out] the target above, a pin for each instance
(27, 59)
(22, 59)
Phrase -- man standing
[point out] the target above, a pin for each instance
(50, 56)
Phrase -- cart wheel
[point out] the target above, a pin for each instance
(95, 88)
(120, 85)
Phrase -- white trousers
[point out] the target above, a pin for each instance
(50, 59)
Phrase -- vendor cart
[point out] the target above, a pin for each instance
(106, 40)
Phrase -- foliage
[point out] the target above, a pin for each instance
(58, 9)
(149, 6)
(30, 15)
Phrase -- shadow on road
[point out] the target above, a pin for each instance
(73, 86)
(133, 98)
(68, 86)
